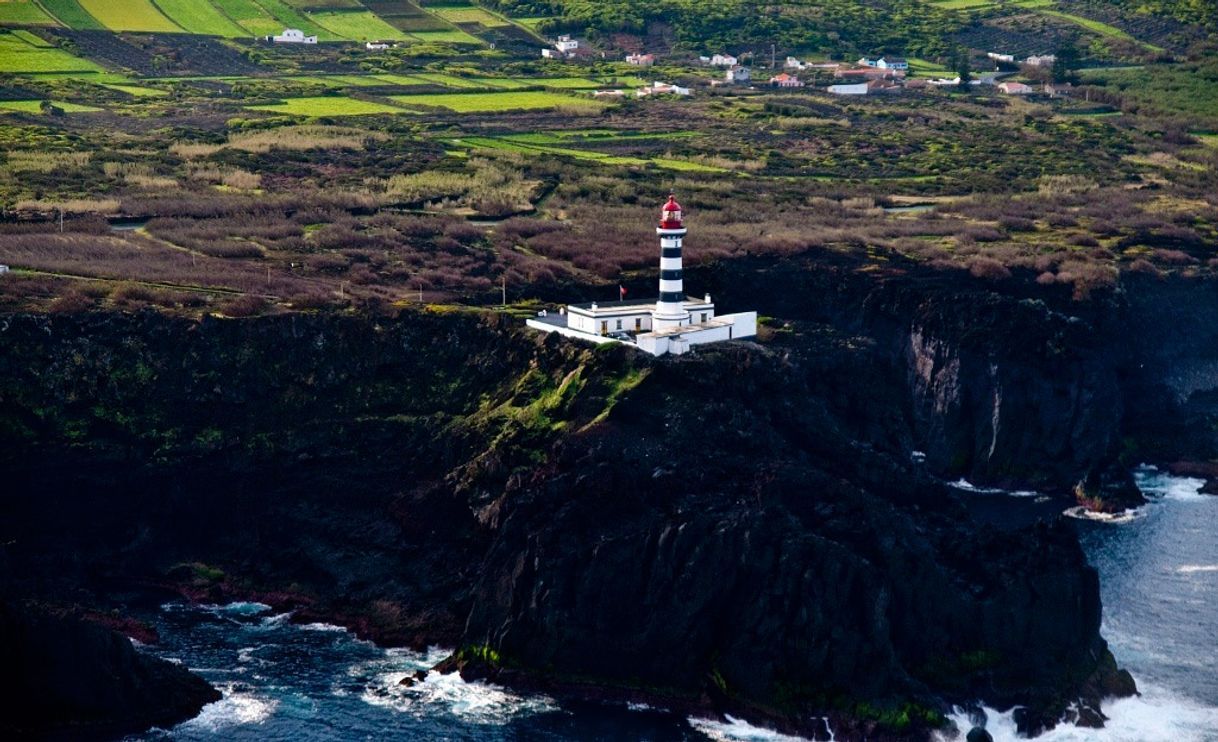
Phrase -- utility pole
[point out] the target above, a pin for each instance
(420, 293)
(61, 219)
(503, 288)
(773, 59)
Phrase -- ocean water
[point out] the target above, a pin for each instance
(282, 681)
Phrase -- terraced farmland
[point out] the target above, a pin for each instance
(129, 15)
(35, 106)
(469, 15)
(329, 106)
(70, 14)
(18, 55)
(361, 25)
(493, 102)
(200, 17)
(406, 15)
(453, 36)
(250, 16)
(24, 13)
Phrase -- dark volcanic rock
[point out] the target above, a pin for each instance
(978, 734)
(64, 678)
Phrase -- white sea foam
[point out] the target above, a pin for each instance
(738, 730)
(1125, 516)
(1189, 569)
(1156, 483)
(239, 608)
(967, 486)
(322, 627)
(1157, 715)
(236, 708)
(473, 702)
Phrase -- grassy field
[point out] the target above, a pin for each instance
(961, 4)
(292, 18)
(924, 68)
(1103, 29)
(35, 106)
(129, 15)
(469, 15)
(200, 17)
(361, 25)
(19, 56)
(139, 91)
(250, 16)
(24, 12)
(567, 83)
(328, 106)
(71, 14)
(531, 145)
(505, 101)
(446, 37)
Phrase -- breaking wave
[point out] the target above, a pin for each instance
(238, 707)
(738, 730)
(1156, 716)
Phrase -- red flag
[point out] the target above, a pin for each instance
(621, 290)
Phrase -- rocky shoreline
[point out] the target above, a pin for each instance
(745, 526)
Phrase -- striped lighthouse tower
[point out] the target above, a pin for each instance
(670, 309)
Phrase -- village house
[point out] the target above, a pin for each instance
(723, 60)
(1001, 57)
(867, 62)
(566, 44)
(1058, 89)
(1015, 88)
(376, 45)
(609, 94)
(641, 60)
(851, 89)
(1041, 60)
(794, 64)
(293, 36)
(739, 75)
(943, 82)
(893, 63)
(661, 88)
(786, 81)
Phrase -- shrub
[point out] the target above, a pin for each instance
(248, 305)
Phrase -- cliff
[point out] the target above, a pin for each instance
(67, 679)
(746, 528)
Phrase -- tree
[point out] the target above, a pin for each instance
(963, 65)
(1065, 62)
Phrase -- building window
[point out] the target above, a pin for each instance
(638, 324)
(704, 317)
(619, 324)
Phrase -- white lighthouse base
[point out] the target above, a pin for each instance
(678, 340)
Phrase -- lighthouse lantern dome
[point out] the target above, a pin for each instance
(670, 214)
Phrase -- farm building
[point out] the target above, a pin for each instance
(672, 323)
(641, 60)
(376, 45)
(851, 89)
(893, 63)
(739, 75)
(722, 60)
(661, 88)
(1058, 89)
(786, 81)
(609, 94)
(1000, 57)
(1015, 88)
(1041, 60)
(793, 63)
(566, 44)
(293, 36)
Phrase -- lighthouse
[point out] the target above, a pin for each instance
(672, 324)
(670, 310)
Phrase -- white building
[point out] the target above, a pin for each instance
(549, 54)
(723, 60)
(854, 89)
(641, 60)
(893, 63)
(293, 36)
(1000, 57)
(3, 269)
(793, 63)
(1015, 88)
(739, 75)
(671, 324)
(1041, 60)
(566, 45)
(375, 45)
(661, 88)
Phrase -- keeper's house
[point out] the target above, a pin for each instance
(671, 324)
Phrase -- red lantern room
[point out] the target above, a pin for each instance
(670, 214)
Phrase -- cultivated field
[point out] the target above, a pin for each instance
(24, 12)
(129, 15)
(22, 53)
(200, 17)
(329, 106)
(496, 102)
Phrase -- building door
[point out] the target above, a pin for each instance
(604, 327)
(638, 324)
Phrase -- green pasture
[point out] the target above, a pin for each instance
(18, 56)
(453, 36)
(251, 16)
(514, 144)
(961, 4)
(35, 106)
(469, 15)
(503, 101)
(361, 25)
(70, 14)
(24, 13)
(139, 91)
(200, 17)
(129, 15)
(328, 106)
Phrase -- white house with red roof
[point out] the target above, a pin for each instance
(786, 81)
(671, 323)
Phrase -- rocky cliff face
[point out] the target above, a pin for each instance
(743, 529)
(67, 679)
